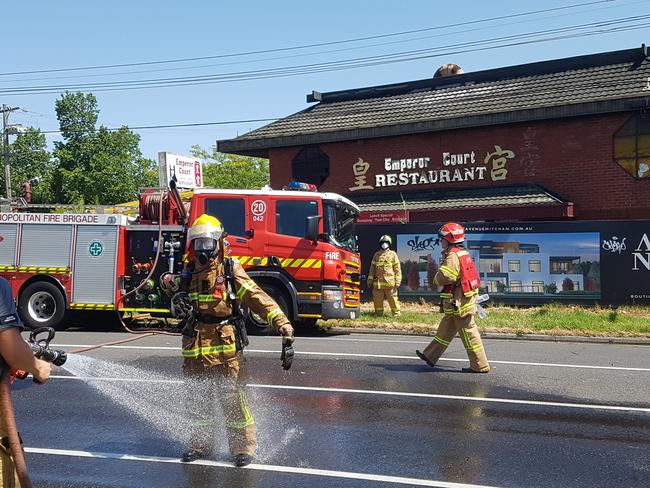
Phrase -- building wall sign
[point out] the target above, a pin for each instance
(449, 168)
(606, 262)
(384, 217)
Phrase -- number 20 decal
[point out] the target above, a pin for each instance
(258, 208)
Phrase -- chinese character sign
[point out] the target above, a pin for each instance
(498, 160)
(360, 168)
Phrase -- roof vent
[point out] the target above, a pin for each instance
(448, 70)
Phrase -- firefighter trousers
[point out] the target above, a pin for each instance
(8, 476)
(207, 386)
(381, 294)
(449, 326)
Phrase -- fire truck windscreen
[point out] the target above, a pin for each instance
(339, 224)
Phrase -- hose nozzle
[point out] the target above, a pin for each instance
(41, 347)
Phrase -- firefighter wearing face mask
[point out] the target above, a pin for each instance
(460, 281)
(384, 277)
(213, 342)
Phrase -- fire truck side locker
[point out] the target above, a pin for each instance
(94, 266)
(59, 261)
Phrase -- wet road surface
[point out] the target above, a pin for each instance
(355, 410)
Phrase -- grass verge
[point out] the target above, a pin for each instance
(548, 319)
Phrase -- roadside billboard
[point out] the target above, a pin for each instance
(604, 262)
(187, 171)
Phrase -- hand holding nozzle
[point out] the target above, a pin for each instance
(44, 355)
(41, 347)
(287, 350)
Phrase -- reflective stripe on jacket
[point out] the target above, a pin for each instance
(385, 270)
(215, 343)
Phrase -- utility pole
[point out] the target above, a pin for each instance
(6, 110)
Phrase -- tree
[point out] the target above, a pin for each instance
(413, 276)
(29, 158)
(567, 284)
(432, 269)
(97, 165)
(232, 171)
(551, 288)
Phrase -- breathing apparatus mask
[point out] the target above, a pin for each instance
(384, 245)
(206, 248)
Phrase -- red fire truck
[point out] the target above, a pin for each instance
(299, 246)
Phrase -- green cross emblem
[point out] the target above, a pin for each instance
(95, 248)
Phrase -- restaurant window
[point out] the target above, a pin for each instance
(311, 165)
(537, 286)
(534, 266)
(490, 265)
(514, 266)
(632, 146)
(493, 286)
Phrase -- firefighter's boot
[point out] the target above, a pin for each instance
(242, 460)
(193, 454)
(424, 358)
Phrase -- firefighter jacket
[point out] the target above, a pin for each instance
(215, 338)
(454, 301)
(385, 270)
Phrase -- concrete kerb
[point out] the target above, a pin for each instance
(639, 341)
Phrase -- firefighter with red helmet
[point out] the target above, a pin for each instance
(214, 337)
(384, 277)
(460, 285)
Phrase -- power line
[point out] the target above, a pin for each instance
(366, 61)
(166, 126)
(306, 46)
(329, 51)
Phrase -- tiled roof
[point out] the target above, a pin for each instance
(489, 197)
(597, 83)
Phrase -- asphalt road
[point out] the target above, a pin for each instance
(355, 410)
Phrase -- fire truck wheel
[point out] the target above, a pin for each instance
(42, 304)
(256, 325)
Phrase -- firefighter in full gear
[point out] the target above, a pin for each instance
(214, 337)
(384, 277)
(460, 285)
(14, 354)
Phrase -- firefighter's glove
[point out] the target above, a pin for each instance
(181, 305)
(287, 351)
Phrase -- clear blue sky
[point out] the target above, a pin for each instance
(63, 34)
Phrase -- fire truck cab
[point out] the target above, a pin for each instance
(299, 246)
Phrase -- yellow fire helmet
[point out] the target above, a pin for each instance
(206, 226)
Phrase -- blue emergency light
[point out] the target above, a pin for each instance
(300, 186)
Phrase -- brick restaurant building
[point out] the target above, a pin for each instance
(565, 140)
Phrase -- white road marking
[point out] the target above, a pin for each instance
(257, 467)
(454, 397)
(379, 356)
(588, 406)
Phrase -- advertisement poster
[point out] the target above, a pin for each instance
(533, 262)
